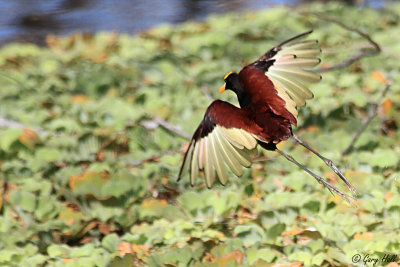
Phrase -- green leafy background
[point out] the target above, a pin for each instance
(90, 178)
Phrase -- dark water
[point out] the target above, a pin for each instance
(30, 21)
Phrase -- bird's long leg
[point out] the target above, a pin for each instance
(317, 177)
(329, 163)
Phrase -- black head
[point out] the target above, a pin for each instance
(231, 83)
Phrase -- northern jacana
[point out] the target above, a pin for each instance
(269, 90)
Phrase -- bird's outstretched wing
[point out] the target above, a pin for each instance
(287, 66)
(226, 137)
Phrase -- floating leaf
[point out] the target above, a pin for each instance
(48, 154)
(24, 199)
(111, 242)
(127, 260)
(8, 137)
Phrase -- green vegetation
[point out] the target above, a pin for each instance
(90, 179)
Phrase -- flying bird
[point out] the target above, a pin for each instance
(269, 91)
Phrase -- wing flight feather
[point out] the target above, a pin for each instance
(288, 67)
(219, 144)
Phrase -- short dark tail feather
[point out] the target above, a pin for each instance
(268, 146)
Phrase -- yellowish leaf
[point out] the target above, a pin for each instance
(154, 203)
(124, 248)
(140, 250)
(387, 106)
(377, 75)
(367, 236)
(69, 215)
(235, 255)
(388, 195)
(79, 98)
(293, 232)
(29, 138)
(77, 180)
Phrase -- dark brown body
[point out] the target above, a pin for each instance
(273, 118)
